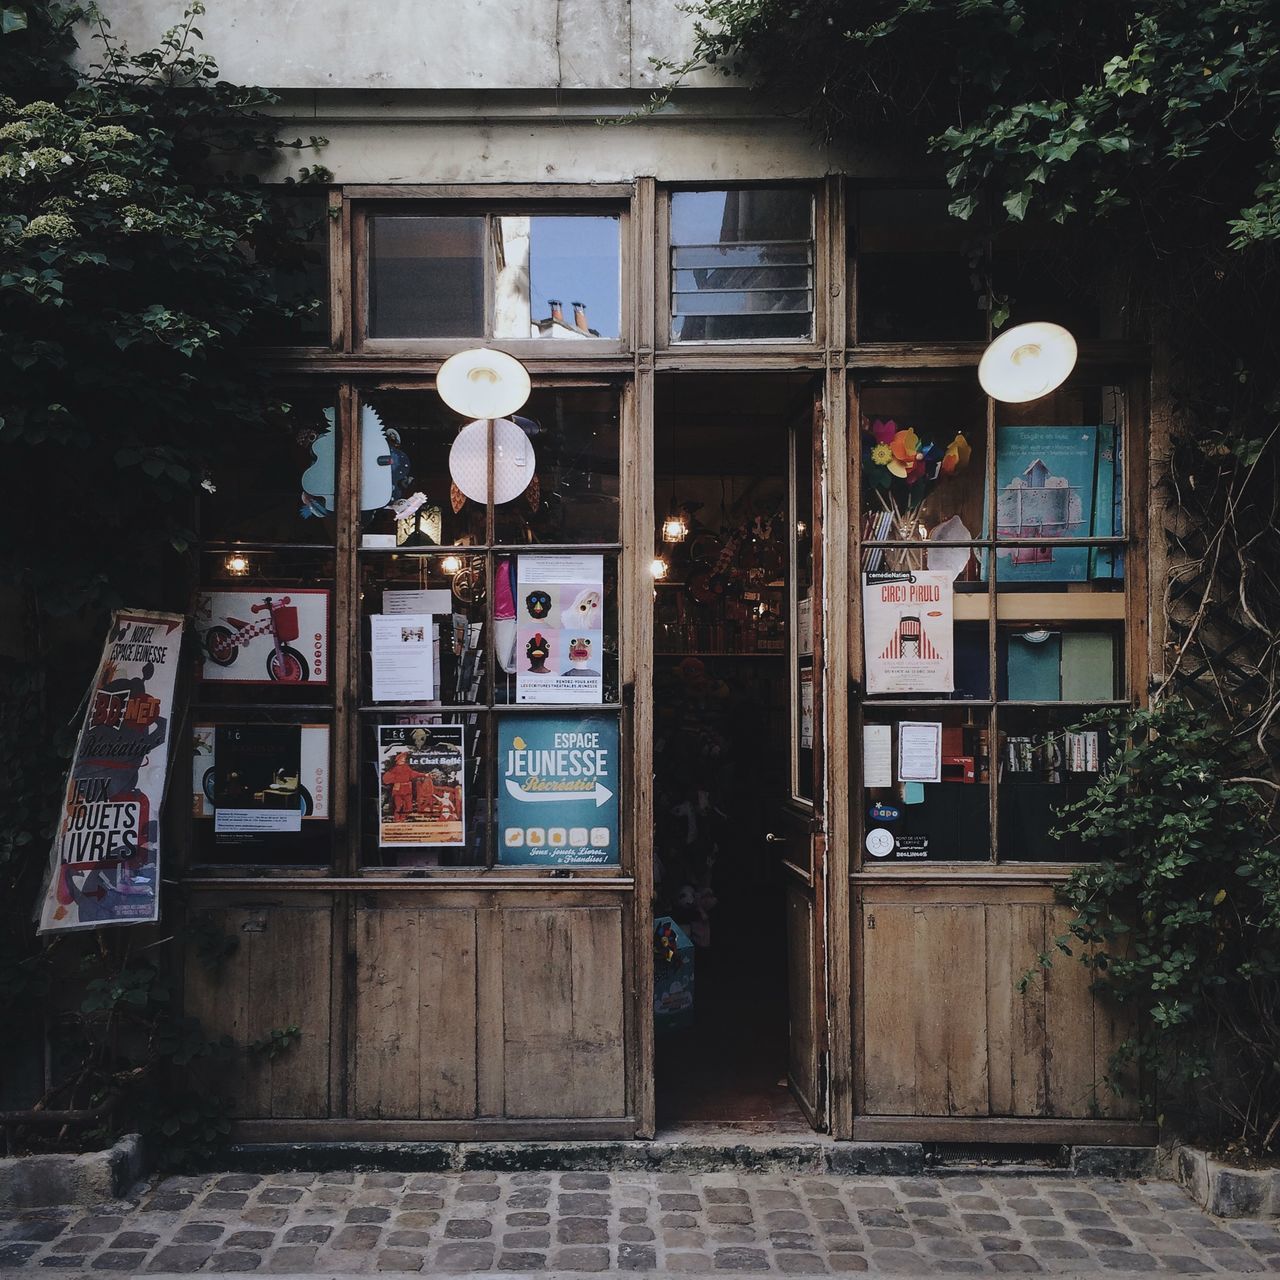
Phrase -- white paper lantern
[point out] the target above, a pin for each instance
(514, 461)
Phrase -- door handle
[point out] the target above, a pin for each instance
(773, 838)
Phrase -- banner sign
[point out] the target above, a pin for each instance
(558, 791)
(104, 867)
(908, 621)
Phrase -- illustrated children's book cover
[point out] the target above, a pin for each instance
(1046, 480)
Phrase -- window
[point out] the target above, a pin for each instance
(921, 273)
(993, 606)
(742, 265)
(512, 276)
(486, 656)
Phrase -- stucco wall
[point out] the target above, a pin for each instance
(427, 44)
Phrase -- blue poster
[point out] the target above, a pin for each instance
(558, 791)
(1046, 479)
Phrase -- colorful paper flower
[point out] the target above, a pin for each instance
(882, 431)
(956, 456)
(906, 450)
(881, 454)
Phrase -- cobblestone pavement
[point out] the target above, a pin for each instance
(666, 1224)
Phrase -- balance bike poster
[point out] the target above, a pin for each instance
(558, 791)
(268, 636)
(560, 628)
(423, 789)
(104, 867)
(907, 625)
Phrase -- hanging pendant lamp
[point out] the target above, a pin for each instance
(483, 384)
(1027, 362)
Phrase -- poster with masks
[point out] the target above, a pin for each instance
(104, 867)
(560, 629)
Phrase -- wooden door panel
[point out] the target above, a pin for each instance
(562, 1012)
(804, 1050)
(415, 1042)
(925, 1010)
(947, 1033)
(278, 976)
(1015, 1020)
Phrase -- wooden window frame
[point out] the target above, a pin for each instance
(485, 202)
(753, 348)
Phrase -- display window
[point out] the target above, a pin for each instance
(992, 558)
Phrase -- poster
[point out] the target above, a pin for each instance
(806, 708)
(560, 636)
(558, 791)
(404, 657)
(104, 867)
(919, 751)
(1047, 479)
(907, 624)
(269, 636)
(313, 763)
(422, 784)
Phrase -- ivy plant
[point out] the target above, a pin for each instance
(1181, 924)
(140, 264)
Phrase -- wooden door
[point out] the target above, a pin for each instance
(797, 826)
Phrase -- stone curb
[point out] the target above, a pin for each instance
(596, 1275)
(1223, 1189)
(40, 1181)
(746, 1155)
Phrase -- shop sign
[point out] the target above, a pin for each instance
(558, 791)
(908, 623)
(104, 867)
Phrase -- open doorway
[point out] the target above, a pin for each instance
(726, 733)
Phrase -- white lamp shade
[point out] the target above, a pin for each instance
(483, 383)
(513, 460)
(1027, 362)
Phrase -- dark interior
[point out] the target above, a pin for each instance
(722, 745)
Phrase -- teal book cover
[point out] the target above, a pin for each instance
(1045, 482)
(1033, 668)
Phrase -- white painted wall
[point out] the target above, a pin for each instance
(427, 44)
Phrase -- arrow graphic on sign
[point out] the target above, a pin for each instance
(600, 794)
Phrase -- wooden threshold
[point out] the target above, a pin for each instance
(1099, 1133)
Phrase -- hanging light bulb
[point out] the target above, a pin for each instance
(1027, 362)
(451, 565)
(237, 565)
(658, 568)
(674, 528)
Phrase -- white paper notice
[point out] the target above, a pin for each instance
(400, 602)
(241, 820)
(877, 755)
(403, 670)
(919, 751)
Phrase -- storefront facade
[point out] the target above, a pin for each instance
(726, 329)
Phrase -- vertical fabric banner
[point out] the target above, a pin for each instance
(104, 867)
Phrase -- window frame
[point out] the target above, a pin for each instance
(487, 203)
(667, 342)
